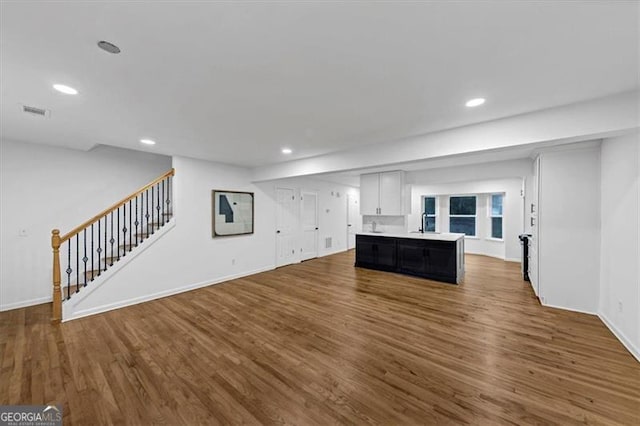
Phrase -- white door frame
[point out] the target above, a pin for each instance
(303, 255)
(353, 226)
(295, 258)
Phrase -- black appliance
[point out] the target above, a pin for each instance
(524, 242)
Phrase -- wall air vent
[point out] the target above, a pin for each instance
(41, 112)
(328, 242)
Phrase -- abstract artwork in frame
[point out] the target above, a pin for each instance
(232, 213)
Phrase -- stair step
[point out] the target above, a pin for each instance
(113, 259)
(72, 288)
(154, 225)
(142, 235)
(88, 276)
(125, 248)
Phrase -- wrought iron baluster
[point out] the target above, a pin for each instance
(169, 211)
(99, 250)
(85, 258)
(130, 233)
(92, 267)
(153, 199)
(77, 263)
(158, 206)
(118, 232)
(105, 241)
(137, 223)
(124, 230)
(112, 240)
(163, 216)
(69, 270)
(147, 214)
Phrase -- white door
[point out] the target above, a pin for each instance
(353, 220)
(391, 194)
(286, 224)
(369, 194)
(309, 202)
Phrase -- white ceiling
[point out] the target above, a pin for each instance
(235, 82)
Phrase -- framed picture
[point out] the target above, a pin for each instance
(232, 213)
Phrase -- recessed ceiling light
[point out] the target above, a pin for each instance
(108, 47)
(286, 150)
(147, 141)
(475, 102)
(65, 89)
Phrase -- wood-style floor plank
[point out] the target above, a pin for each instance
(324, 343)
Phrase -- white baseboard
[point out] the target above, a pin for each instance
(329, 253)
(620, 336)
(564, 308)
(25, 303)
(161, 294)
(476, 253)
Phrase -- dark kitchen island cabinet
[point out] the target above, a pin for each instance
(438, 257)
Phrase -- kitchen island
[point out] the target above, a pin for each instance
(430, 255)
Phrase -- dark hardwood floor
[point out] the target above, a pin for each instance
(322, 343)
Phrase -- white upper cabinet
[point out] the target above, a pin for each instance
(383, 194)
(391, 194)
(369, 194)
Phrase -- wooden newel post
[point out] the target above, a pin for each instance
(57, 294)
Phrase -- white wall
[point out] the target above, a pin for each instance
(384, 223)
(619, 303)
(187, 256)
(569, 228)
(45, 187)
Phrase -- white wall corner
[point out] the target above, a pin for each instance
(566, 308)
(628, 344)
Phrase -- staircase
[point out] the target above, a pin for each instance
(83, 255)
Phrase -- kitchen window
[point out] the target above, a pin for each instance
(462, 215)
(496, 215)
(429, 208)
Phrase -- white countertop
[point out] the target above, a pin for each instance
(415, 235)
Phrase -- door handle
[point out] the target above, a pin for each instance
(278, 231)
(316, 228)
(533, 222)
(349, 224)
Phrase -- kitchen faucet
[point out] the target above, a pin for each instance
(424, 222)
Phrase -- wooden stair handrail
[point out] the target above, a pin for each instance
(105, 212)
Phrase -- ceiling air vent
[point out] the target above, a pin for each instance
(36, 111)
